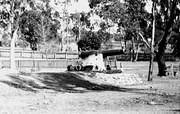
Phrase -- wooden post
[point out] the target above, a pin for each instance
(34, 66)
(172, 70)
(152, 44)
(79, 35)
(54, 55)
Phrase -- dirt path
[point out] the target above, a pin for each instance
(47, 94)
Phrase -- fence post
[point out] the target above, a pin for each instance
(42, 55)
(120, 66)
(65, 55)
(18, 65)
(54, 55)
(38, 68)
(172, 70)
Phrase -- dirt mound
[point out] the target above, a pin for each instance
(68, 81)
(115, 79)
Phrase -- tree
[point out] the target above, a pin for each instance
(38, 28)
(169, 13)
(11, 11)
(130, 15)
(89, 41)
(175, 39)
(30, 27)
(81, 21)
(49, 22)
(104, 34)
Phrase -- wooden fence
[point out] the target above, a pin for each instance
(28, 59)
(35, 60)
(144, 57)
(38, 64)
(19, 53)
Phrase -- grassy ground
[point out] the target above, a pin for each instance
(69, 93)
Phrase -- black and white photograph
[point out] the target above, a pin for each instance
(89, 56)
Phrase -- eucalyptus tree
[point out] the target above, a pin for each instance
(169, 13)
(38, 27)
(30, 27)
(11, 11)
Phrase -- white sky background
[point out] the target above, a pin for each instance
(73, 7)
(80, 6)
(83, 6)
(148, 6)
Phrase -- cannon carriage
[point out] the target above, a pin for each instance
(101, 61)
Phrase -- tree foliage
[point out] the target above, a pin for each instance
(93, 3)
(35, 23)
(130, 15)
(37, 27)
(81, 21)
(89, 41)
(11, 11)
(103, 35)
(30, 26)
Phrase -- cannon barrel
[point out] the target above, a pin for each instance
(105, 53)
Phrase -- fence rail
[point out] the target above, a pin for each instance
(36, 60)
(4, 53)
(28, 59)
(38, 64)
(144, 57)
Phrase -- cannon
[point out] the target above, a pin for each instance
(95, 60)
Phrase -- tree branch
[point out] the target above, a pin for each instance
(145, 41)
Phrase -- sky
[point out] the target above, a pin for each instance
(83, 5)
(148, 6)
(73, 7)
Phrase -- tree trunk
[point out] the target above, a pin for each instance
(163, 42)
(152, 44)
(0, 46)
(12, 50)
(43, 29)
(137, 52)
(133, 50)
(161, 52)
(161, 63)
(0, 39)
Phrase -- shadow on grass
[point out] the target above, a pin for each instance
(61, 82)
